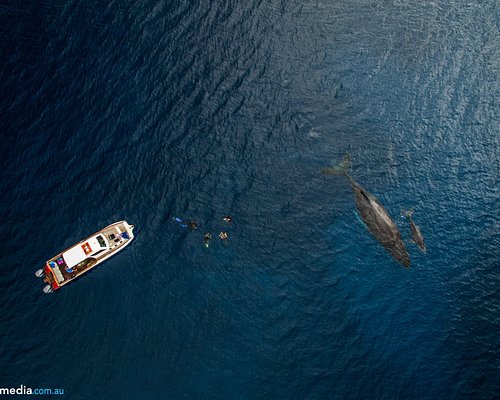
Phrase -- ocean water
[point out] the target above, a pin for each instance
(147, 110)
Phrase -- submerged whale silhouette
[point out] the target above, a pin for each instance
(415, 231)
(374, 215)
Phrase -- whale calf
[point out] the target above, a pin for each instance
(415, 231)
(374, 215)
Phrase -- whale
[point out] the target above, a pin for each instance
(374, 215)
(416, 235)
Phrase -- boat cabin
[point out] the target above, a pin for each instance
(90, 248)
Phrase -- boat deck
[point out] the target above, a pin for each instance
(116, 236)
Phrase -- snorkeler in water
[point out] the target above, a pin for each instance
(206, 239)
(223, 235)
(227, 219)
(184, 223)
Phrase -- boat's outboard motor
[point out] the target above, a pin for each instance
(40, 273)
(47, 289)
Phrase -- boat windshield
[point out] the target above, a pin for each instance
(101, 241)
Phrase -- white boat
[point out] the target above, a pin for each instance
(85, 255)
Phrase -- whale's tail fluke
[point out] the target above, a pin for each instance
(340, 169)
(407, 213)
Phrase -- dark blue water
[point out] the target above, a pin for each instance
(146, 110)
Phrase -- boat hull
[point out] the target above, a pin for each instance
(87, 254)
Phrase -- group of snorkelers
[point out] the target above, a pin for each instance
(190, 224)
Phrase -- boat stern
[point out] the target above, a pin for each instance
(50, 279)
